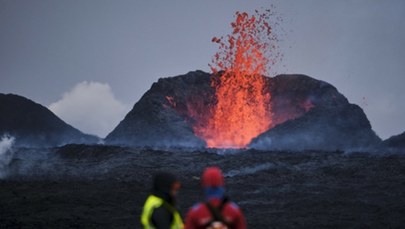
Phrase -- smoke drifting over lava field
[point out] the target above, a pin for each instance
(86, 186)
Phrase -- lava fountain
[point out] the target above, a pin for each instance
(242, 108)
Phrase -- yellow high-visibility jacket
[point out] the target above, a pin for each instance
(154, 202)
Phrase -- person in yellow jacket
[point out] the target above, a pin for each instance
(159, 211)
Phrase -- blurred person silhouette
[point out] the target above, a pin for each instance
(217, 212)
(159, 211)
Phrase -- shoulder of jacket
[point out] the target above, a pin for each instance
(233, 205)
(197, 206)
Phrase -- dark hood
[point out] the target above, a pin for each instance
(162, 185)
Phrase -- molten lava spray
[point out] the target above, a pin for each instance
(242, 109)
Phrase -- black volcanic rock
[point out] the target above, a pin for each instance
(395, 142)
(158, 119)
(330, 123)
(34, 125)
(328, 128)
(306, 113)
(294, 95)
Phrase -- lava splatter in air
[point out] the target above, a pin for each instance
(242, 110)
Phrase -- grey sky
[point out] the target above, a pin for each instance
(49, 47)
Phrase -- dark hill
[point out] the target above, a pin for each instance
(306, 113)
(330, 123)
(395, 142)
(340, 127)
(153, 121)
(34, 125)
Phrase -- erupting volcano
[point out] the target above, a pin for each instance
(237, 106)
(242, 108)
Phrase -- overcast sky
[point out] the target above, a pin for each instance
(68, 55)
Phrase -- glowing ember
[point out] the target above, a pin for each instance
(171, 101)
(242, 109)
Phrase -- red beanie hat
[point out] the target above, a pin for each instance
(212, 177)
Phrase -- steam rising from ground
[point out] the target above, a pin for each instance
(96, 162)
(249, 170)
(6, 154)
(90, 107)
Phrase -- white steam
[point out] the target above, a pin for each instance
(249, 170)
(91, 107)
(6, 154)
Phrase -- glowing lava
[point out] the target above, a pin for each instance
(242, 110)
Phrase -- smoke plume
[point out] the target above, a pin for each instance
(91, 107)
(6, 154)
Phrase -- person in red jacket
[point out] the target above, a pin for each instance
(217, 212)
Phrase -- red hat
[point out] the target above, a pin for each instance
(212, 177)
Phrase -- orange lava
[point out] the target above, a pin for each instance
(242, 110)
